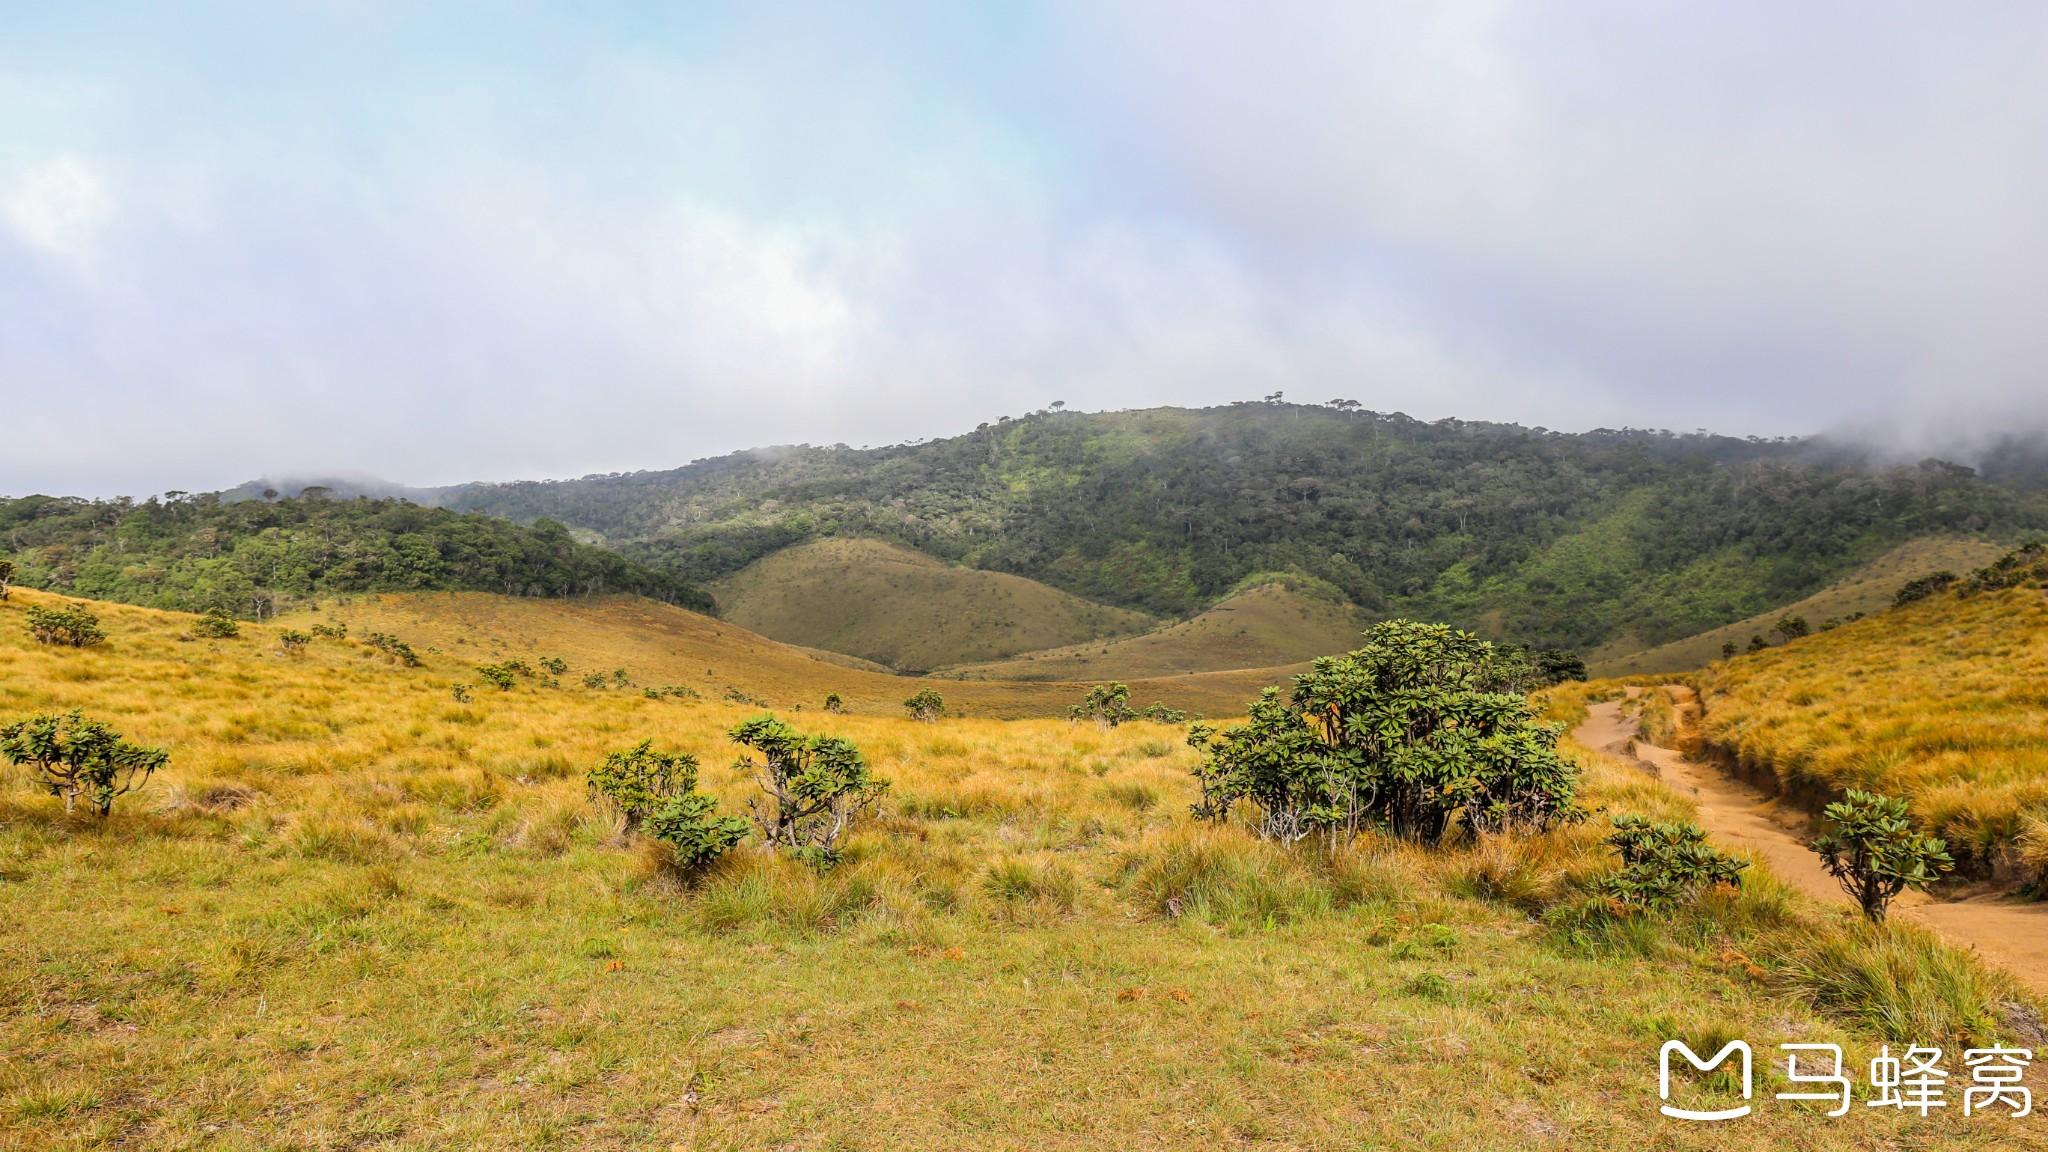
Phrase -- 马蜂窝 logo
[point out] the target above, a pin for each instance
(1915, 1081)
(1693, 1058)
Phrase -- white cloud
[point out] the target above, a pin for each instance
(58, 206)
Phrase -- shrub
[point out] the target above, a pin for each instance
(498, 676)
(1872, 850)
(293, 642)
(833, 704)
(1790, 628)
(331, 631)
(594, 680)
(1403, 733)
(1159, 713)
(926, 706)
(461, 693)
(554, 665)
(73, 626)
(1665, 866)
(216, 625)
(1923, 587)
(1108, 705)
(393, 647)
(1727, 649)
(6, 578)
(1757, 644)
(817, 786)
(73, 757)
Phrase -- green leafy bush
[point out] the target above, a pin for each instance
(554, 665)
(656, 793)
(1405, 733)
(72, 626)
(6, 578)
(833, 704)
(331, 631)
(1923, 587)
(216, 624)
(75, 758)
(926, 706)
(816, 787)
(498, 676)
(393, 647)
(1665, 866)
(1872, 850)
(292, 642)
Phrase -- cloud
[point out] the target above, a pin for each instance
(422, 244)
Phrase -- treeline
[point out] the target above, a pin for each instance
(1537, 536)
(249, 557)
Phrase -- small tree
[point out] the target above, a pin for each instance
(6, 578)
(554, 665)
(292, 642)
(1790, 628)
(1408, 732)
(1108, 705)
(926, 706)
(817, 786)
(1664, 866)
(72, 626)
(833, 704)
(1757, 644)
(1872, 850)
(1559, 665)
(461, 693)
(73, 757)
(217, 625)
(497, 676)
(1727, 649)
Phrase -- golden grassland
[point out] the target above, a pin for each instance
(1261, 627)
(1941, 701)
(1868, 589)
(659, 645)
(355, 913)
(906, 610)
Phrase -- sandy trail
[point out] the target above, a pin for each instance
(2005, 932)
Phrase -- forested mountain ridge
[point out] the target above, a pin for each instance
(1554, 538)
(251, 557)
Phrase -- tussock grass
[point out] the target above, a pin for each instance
(346, 890)
(1899, 981)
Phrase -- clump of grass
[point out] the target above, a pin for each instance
(1017, 885)
(1224, 876)
(1136, 795)
(1526, 872)
(2031, 852)
(1898, 980)
(347, 839)
(752, 889)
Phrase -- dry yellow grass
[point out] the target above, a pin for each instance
(906, 610)
(1940, 702)
(356, 913)
(1261, 627)
(659, 645)
(1868, 589)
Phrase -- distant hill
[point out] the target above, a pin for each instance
(658, 645)
(906, 610)
(1569, 540)
(1867, 589)
(1267, 624)
(256, 557)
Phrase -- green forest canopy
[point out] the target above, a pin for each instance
(1551, 538)
(249, 557)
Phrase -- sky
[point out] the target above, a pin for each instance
(440, 242)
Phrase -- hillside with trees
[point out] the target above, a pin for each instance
(252, 558)
(1559, 539)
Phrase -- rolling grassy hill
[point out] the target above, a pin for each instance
(356, 913)
(1264, 625)
(906, 610)
(1940, 701)
(1867, 589)
(659, 645)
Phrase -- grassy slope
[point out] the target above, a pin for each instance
(354, 913)
(1867, 589)
(658, 645)
(904, 609)
(1940, 701)
(1260, 627)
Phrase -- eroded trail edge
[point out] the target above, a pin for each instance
(2005, 932)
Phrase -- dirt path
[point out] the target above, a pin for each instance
(2010, 934)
